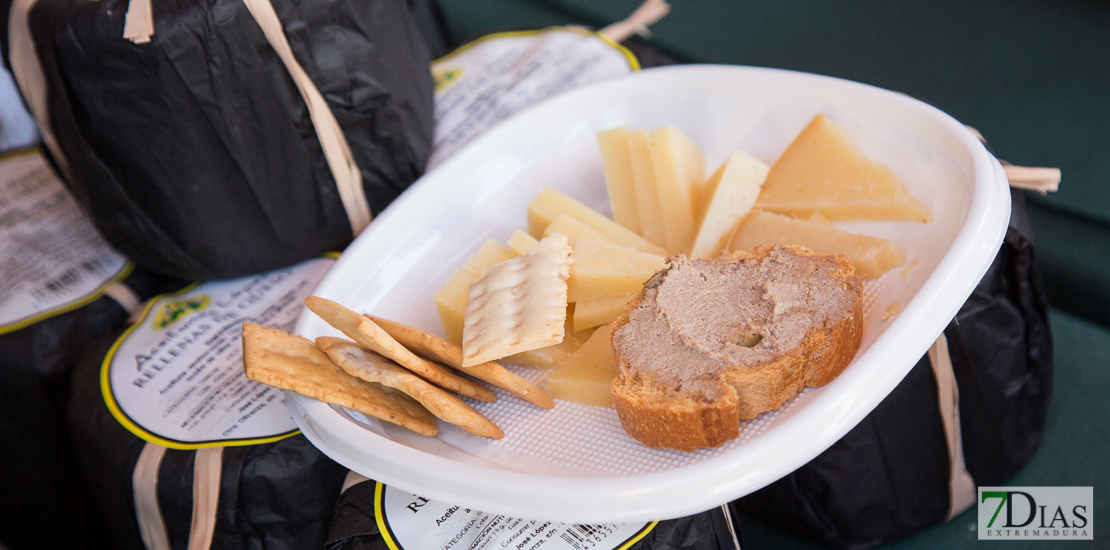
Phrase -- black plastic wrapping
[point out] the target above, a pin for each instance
(353, 527)
(195, 155)
(45, 501)
(888, 477)
(277, 496)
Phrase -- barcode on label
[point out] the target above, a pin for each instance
(582, 537)
(72, 276)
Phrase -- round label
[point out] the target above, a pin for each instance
(52, 260)
(176, 377)
(498, 75)
(412, 522)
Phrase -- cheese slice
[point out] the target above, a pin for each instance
(573, 229)
(603, 270)
(451, 304)
(549, 203)
(647, 193)
(451, 297)
(679, 174)
(823, 171)
(586, 375)
(729, 195)
(872, 256)
(490, 254)
(601, 311)
(520, 242)
(617, 166)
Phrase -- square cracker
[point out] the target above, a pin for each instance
(371, 367)
(432, 347)
(519, 305)
(372, 337)
(289, 362)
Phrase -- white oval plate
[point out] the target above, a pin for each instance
(573, 463)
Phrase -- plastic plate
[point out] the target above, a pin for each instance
(574, 463)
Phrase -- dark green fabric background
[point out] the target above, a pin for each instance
(1032, 76)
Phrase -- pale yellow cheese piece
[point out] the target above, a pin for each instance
(586, 375)
(550, 203)
(617, 166)
(520, 242)
(451, 297)
(823, 171)
(730, 193)
(872, 256)
(647, 193)
(451, 304)
(594, 313)
(679, 174)
(573, 229)
(490, 254)
(519, 305)
(603, 270)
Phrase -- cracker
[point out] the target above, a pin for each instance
(289, 362)
(371, 367)
(519, 305)
(372, 337)
(432, 347)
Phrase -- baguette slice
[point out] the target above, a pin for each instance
(662, 403)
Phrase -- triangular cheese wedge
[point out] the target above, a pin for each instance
(823, 171)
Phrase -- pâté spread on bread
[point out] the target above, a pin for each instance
(708, 343)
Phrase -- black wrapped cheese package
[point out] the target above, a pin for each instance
(195, 152)
(275, 495)
(893, 474)
(46, 502)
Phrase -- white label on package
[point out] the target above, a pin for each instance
(51, 257)
(488, 80)
(412, 522)
(176, 377)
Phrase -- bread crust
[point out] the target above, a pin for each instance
(658, 417)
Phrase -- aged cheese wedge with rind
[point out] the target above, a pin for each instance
(729, 195)
(823, 171)
(871, 256)
(550, 203)
(603, 270)
(617, 166)
(594, 313)
(519, 305)
(586, 375)
(679, 174)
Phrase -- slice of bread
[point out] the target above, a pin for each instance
(708, 343)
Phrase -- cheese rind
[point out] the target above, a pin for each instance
(603, 270)
(729, 195)
(871, 256)
(585, 376)
(823, 171)
(617, 166)
(679, 174)
(550, 203)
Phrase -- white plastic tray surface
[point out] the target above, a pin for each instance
(574, 463)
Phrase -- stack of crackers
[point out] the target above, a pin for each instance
(406, 376)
